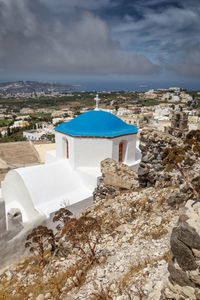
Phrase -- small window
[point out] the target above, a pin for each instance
(67, 149)
(121, 146)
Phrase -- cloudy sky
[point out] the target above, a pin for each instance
(97, 43)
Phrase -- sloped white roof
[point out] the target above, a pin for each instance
(48, 187)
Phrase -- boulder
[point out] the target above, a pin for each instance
(118, 175)
(178, 276)
(181, 251)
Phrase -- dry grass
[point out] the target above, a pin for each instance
(138, 268)
(101, 294)
(161, 200)
(52, 284)
(167, 256)
(156, 232)
(110, 220)
(140, 206)
(161, 203)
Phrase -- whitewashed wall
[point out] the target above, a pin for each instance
(89, 152)
(61, 148)
(128, 149)
(16, 195)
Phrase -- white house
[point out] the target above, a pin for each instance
(71, 172)
(32, 135)
(20, 123)
(174, 98)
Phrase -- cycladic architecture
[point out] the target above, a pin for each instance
(70, 173)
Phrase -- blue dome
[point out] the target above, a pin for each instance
(96, 123)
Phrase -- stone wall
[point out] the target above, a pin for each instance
(152, 144)
(179, 123)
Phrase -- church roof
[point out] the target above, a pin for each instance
(96, 123)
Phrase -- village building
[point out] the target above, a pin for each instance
(174, 99)
(150, 94)
(194, 122)
(20, 123)
(58, 120)
(163, 123)
(162, 117)
(33, 135)
(133, 119)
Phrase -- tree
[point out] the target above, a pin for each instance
(8, 131)
(48, 137)
(116, 107)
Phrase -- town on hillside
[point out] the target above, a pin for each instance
(32, 116)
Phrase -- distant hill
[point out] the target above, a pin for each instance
(33, 87)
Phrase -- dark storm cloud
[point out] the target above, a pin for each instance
(100, 36)
(190, 66)
(32, 37)
(167, 32)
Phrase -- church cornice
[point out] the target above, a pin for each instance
(96, 137)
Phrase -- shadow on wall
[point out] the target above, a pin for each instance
(13, 231)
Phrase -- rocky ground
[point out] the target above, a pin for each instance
(133, 253)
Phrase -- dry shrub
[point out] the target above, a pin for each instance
(40, 239)
(62, 216)
(84, 234)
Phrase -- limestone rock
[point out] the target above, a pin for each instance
(40, 297)
(118, 175)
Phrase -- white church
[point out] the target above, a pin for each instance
(71, 172)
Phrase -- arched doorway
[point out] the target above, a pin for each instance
(121, 148)
(67, 149)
